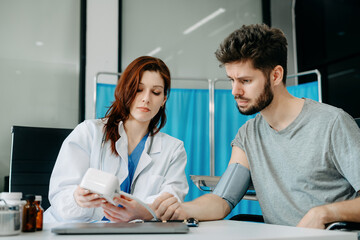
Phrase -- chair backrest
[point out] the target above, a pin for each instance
(357, 120)
(33, 154)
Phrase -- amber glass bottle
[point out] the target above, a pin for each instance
(39, 214)
(29, 214)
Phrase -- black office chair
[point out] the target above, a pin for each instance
(357, 120)
(33, 154)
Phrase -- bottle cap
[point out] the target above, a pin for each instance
(38, 198)
(11, 195)
(30, 197)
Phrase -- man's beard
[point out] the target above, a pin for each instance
(261, 102)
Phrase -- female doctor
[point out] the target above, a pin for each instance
(126, 143)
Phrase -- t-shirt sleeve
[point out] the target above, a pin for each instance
(239, 138)
(345, 144)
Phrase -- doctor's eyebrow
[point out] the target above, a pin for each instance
(154, 86)
(158, 86)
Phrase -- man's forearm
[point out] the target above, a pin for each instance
(207, 207)
(344, 211)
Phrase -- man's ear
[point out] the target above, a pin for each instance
(277, 75)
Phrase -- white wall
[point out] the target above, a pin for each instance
(39, 83)
(39, 67)
(161, 24)
(101, 45)
(145, 27)
(282, 17)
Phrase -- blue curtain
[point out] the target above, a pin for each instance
(306, 90)
(188, 120)
(228, 120)
(104, 98)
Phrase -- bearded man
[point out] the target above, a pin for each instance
(303, 156)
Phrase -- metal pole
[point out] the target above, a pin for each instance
(211, 86)
(96, 82)
(212, 125)
(318, 74)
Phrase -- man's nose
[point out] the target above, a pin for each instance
(237, 89)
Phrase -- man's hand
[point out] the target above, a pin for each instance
(84, 198)
(343, 211)
(129, 210)
(315, 218)
(167, 206)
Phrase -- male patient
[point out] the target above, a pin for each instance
(303, 156)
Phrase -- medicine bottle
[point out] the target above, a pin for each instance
(39, 214)
(13, 199)
(29, 214)
(9, 219)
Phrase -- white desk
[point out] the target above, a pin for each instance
(214, 230)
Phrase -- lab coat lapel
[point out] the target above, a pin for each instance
(111, 161)
(145, 158)
(122, 149)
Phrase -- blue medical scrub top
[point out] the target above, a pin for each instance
(133, 160)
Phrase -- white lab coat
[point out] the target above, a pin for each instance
(162, 170)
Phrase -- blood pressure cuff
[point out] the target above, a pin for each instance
(233, 184)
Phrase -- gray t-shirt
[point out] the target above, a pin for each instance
(314, 161)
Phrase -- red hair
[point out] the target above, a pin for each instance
(125, 93)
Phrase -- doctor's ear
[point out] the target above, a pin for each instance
(163, 104)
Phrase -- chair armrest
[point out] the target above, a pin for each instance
(344, 226)
(205, 183)
(248, 218)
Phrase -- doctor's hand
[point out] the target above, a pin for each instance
(129, 210)
(84, 198)
(167, 206)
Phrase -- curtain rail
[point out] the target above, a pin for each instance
(211, 86)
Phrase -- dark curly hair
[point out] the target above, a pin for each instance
(265, 47)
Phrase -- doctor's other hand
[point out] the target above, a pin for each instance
(84, 198)
(167, 207)
(129, 210)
